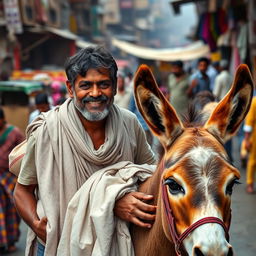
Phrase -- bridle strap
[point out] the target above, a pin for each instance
(202, 222)
(178, 239)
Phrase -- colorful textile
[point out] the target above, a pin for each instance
(211, 26)
(14, 138)
(9, 219)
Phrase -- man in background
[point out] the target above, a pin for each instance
(178, 83)
(123, 95)
(42, 105)
(223, 81)
(200, 81)
(10, 136)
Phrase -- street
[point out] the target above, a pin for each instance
(242, 231)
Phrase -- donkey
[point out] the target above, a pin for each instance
(193, 182)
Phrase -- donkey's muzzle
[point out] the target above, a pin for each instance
(198, 252)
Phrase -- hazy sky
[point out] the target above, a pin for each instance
(181, 24)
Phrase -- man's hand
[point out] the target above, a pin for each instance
(40, 228)
(132, 208)
(189, 91)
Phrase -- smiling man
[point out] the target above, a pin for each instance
(66, 145)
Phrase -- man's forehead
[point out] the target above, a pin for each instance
(101, 70)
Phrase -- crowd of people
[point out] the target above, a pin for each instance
(70, 137)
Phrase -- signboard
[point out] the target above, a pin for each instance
(12, 16)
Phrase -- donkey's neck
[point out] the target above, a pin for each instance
(151, 185)
(153, 241)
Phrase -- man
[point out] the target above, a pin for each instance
(200, 80)
(223, 81)
(178, 83)
(42, 105)
(71, 142)
(10, 136)
(212, 72)
(123, 94)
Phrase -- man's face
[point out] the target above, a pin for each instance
(202, 66)
(176, 70)
(93, 94)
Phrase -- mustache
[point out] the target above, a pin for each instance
(94, 99)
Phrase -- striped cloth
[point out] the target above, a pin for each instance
(9, 219)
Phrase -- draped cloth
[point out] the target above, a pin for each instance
(65, 158)
(90, 226)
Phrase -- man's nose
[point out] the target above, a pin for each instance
(95, 92)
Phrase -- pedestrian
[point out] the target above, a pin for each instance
(223, 80)
(212, 71)
(178, 83)
(250, 146)
(66, 145)
(133, 108)
(63, 95)
(56, 92)
(123, 95)
(199, 81)
(10, 136)
(42, 105)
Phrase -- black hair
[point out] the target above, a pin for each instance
(90, 57)
(203, 59)
(177, 63)
(41, 98)
(1, 114)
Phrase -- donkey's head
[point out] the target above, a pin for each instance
(197, 177)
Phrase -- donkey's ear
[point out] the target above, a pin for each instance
(232, 109)
(155, 109)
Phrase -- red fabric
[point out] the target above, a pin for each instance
(9, 218)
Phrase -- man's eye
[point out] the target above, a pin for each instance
(104, 85)
(85, 86)
(174, 187)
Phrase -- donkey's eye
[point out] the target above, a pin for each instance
(174, 187)
(229, 188)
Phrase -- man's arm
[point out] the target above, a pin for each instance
(191, 87)
(25, 202)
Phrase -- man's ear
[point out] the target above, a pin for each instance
(70, 89)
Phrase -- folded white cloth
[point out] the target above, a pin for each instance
(90, 227)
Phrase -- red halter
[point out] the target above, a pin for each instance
(178, 239)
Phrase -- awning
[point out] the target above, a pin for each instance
(62, 33)
(83, 44)
(21, 86)
(190, 52)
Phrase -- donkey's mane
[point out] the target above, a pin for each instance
(193, 117)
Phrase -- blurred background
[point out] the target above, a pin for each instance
(36, 37)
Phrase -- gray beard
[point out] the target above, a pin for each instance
(97, 116)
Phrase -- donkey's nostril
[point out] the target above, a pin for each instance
(230, 252)
(198, 252)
